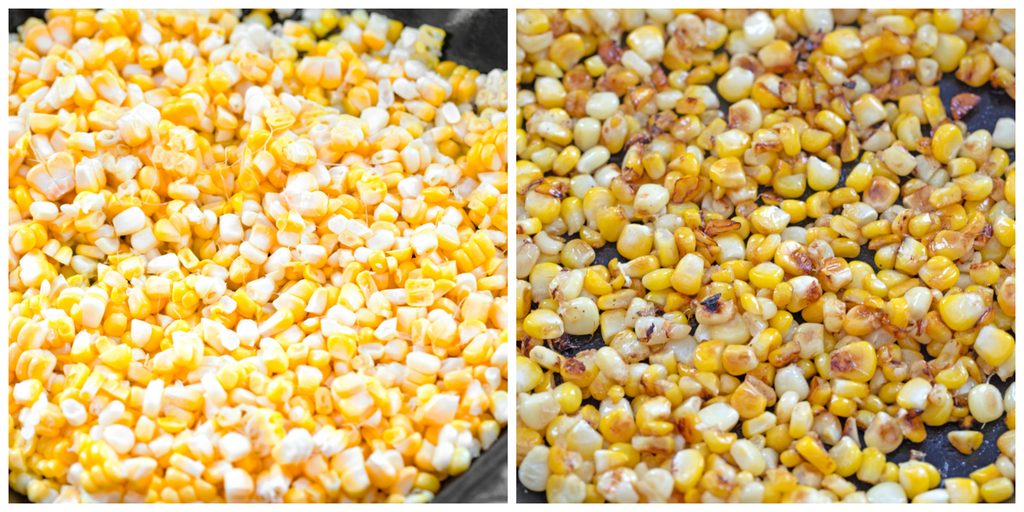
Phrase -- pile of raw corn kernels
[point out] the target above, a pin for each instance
(251, 261)
(814, 255)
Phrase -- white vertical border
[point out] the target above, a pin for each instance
(511, 157)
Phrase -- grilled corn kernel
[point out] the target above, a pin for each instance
(731, 295)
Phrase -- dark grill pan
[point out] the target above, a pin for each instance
(477, 38)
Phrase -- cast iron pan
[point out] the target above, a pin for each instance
(478, 39)
(994, 104)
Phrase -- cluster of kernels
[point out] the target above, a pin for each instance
(242, 274)
(749, 355)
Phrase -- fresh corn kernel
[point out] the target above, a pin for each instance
(255, 261)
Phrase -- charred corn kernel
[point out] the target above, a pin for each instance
(230, 299)
(856, 361)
